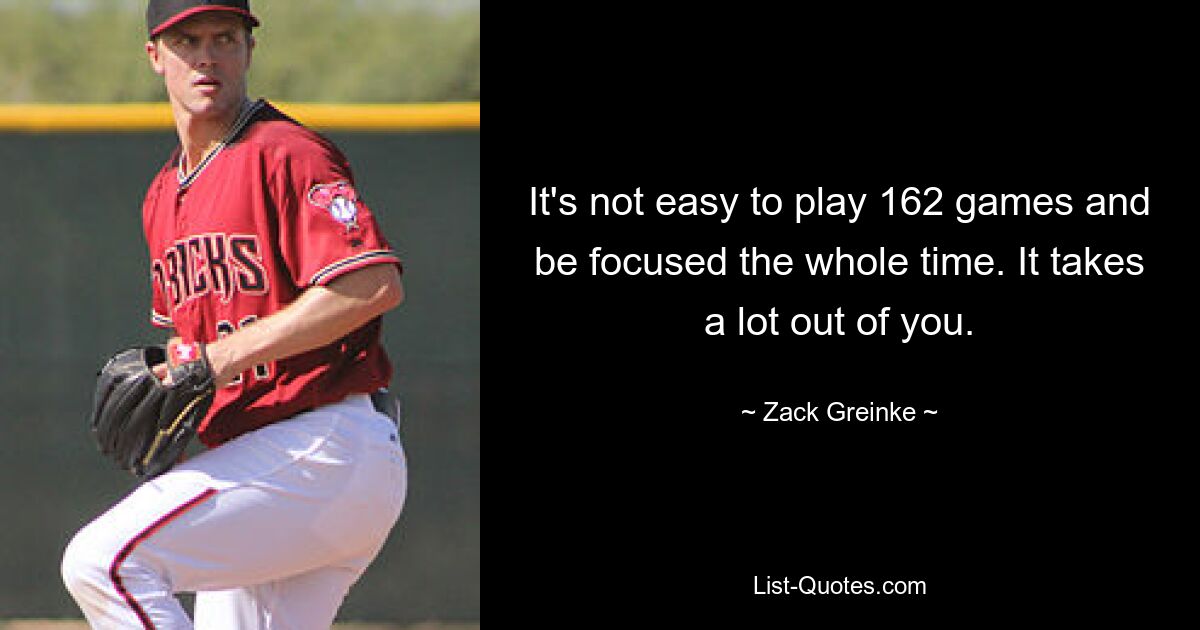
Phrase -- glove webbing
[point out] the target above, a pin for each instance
(170, 430)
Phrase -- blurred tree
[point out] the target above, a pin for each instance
(309, 50)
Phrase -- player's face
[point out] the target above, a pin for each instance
(203, 61)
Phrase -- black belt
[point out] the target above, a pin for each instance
(386, 404)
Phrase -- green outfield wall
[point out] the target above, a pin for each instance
(76, 287)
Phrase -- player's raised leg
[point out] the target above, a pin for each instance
(115, 577)
(304, 504)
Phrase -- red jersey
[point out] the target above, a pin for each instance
(270, 212)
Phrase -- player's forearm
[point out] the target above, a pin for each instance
(318, 317)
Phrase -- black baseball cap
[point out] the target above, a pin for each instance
(163, 14)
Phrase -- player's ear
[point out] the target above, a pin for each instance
(154, 54)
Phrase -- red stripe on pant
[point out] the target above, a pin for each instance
(113, 571)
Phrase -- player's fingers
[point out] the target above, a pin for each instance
(163, 373)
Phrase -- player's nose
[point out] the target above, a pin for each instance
(205, 54)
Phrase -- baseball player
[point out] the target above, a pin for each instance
(266, 261)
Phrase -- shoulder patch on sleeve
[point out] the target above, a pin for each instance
(340, 200)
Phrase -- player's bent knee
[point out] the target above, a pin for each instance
(85, 565)
(79, 568)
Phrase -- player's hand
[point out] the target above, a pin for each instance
(162, 373)
(163, 370)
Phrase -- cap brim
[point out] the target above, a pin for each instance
(183, 15)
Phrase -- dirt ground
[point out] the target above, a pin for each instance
(79, 625)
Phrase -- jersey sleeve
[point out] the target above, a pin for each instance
(158, 308)
(325, 228)
(160, 311)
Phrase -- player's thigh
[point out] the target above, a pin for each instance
(165, 508)
(253, 511)
(329, 507)
(196, 537)
(303, 602)
(258, 534)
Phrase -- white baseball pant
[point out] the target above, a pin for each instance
(270, 529)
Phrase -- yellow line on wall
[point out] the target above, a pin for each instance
(157, 116)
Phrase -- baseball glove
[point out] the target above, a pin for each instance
(141, 423)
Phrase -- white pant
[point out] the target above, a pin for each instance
(270, 529)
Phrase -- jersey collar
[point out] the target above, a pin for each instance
(248, 111)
